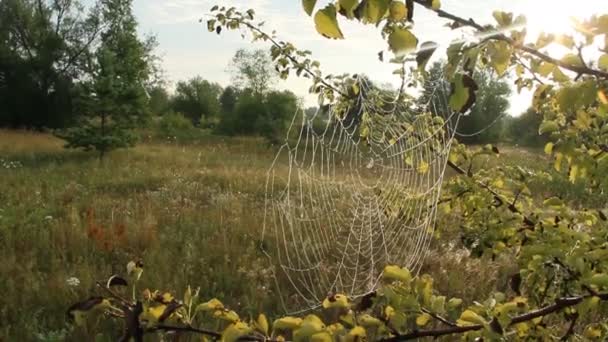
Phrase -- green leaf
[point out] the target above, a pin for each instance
(402, 41)
(600, 280)
(436, 4)
(573, 59)
(500, 56)
(372, 11)
(603, 62)
(309, 6)
(547, 127)
(326, 23)
(462, 96)
(347, 8)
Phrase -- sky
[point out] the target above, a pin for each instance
(189, 50)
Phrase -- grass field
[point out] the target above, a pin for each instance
(193, 213)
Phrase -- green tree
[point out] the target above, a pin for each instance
(486, 120)
(560, 289)
(523, 130)
(252, 70)
(159, 100)
(44, 48)
(114, 101)
(197, 99)
(228, 100)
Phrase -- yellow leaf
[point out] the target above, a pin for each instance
(549, 148)
(326, 23)
(212, 305)
(402, 41)
(436, 4)
(397, 273)
(235, 331)
(593, 331)
(397, 10)
(287, 323)
(423, 167)
(337, 301)
(423, 319)
(226, 315)
(573, 174)
(469, 317)
(262, 324)
(368, 321)
(356, 334)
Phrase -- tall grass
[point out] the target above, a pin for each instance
(193, 213)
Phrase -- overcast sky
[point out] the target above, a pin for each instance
(189, 50)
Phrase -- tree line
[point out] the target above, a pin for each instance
(85, 73)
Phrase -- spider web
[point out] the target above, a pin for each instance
(354, 188)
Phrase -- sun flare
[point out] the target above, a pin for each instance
(556, 16)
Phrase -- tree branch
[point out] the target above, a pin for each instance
(580, 70)
(559, 305)
(527, 221)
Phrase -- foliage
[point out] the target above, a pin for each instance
(559, 248)
(252, 70)
(43, 48)
(176, 127)
(265, 115)
(484, 123)
(523, 130)
(114, 101)
(159, 102)
(197, 99)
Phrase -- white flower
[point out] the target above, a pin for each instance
(48, 218)
(73, 281)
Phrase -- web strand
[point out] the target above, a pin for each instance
(351, 190)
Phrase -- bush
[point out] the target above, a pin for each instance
(175, 126)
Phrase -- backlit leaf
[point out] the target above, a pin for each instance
(347, 7)
(402, 41)
(397, 11)
(462, 95)
(548, 127)
(326, 23)
(309, 6)
(423, 319)
(603, 62)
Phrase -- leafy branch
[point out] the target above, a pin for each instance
(559, 305)
(578, 69)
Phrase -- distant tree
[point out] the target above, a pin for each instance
(266, 116)
(280, 107)
(159, 100)
(115, 100)
(228, 100)
(253, 70)
(523, 130)
(485, 121)
(44, 49)
(197, 99)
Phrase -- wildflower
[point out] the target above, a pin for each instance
(73, 281)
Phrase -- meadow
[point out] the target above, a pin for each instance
(192, 212)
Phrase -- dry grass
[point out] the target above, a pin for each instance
(193, 213)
